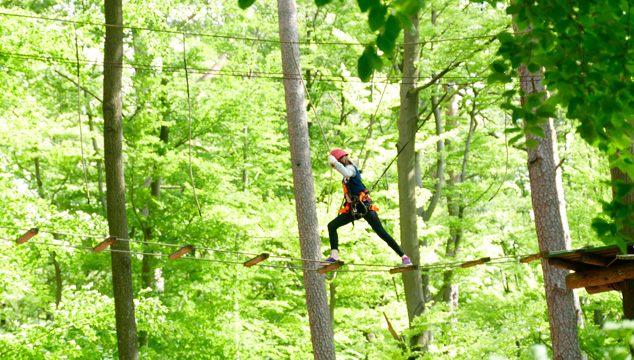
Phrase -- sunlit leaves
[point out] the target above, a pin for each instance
(322, 2)
(586, 65)
(368, 62)
(388, 20)
(245, 3)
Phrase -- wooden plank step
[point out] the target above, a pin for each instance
(256, 259)
(330, 267)
(180, 252)
(402, 269)
(27, 236)
(104, 244)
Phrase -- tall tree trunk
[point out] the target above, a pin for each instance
(407, 126)
(314, 283)
(551, 224)
(115, 183)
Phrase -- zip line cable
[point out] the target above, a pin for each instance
(231, 37)
(189, 122)
(224, 73)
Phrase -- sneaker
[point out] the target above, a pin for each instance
(406, 261)
(328, 261)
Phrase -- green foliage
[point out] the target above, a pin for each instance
(213, 308)
(586, 55)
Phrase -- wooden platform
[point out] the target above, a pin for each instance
(597, 269)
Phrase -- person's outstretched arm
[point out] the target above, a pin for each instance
(346, 171)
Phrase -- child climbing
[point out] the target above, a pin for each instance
(358, 205)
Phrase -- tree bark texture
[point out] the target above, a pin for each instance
(115, 183)
(310, 242)
(407, 126)
(551, 224)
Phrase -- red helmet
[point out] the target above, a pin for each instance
(338, 153)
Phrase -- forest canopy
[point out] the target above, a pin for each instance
(206, 162)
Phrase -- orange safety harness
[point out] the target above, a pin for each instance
(357, 206)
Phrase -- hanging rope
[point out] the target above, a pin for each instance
(81, 132)
(189, 121)
(312, 106)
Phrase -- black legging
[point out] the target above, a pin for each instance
(373, 219)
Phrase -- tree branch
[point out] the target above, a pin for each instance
(75, 82)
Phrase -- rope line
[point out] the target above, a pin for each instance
(312, 104)
(438, 265)
(237, 72)
(289, 267)
(189, 123)
(221, 36)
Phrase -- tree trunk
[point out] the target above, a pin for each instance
(115, 183)
(551, 224)
(407, 126)
(58, 278)
(310, 242)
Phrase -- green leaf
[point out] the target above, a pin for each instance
(518, 114)
(534, 100)
(531, 143)
(506, 37)
(547, 110)
(364, 67)
(245, 3)
(405, 22)
(392, 28)
(533, 68)
(601, 226)
(515, 139)
(386, 44)
(535, 130)
(365, 5)
(499, 66)
(322, 2)
(376, 18)
(407, 7)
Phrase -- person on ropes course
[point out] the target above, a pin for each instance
(358, 205)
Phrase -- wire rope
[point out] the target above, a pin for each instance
(221, 36)
(451, 264)
(189, 123)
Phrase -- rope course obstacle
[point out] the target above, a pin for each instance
(255, 259)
